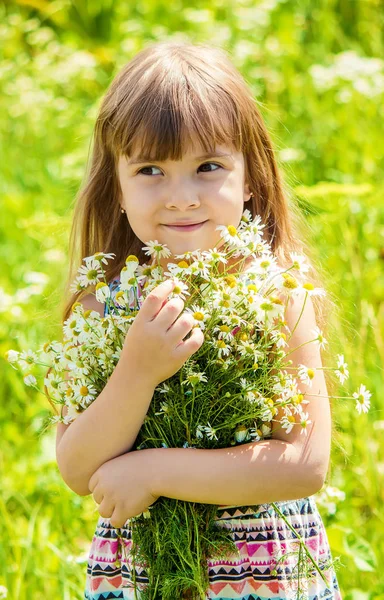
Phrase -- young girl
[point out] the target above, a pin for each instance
(180, 148)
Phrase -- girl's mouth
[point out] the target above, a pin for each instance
(186, 227)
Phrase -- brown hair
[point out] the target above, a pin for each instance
(167, 94)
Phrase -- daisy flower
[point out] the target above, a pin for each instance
(211, 433)
(223, 332)
(12, 356)
(27, 358)
(230, 235)
(195, 378)
(101, 257)
(163, 389)
(319, 338)
(362, 397)
(90, 273)
(76, 286)
(342, 369)
(102, 292)
(180, 289)
(180, 268)
(310, 289)
(85, 393)
(213, 257)
(304, 422)
(30, 380)
(200, 431)
(241, 433)
(199, 314)
(222, 348)
(164, 409)
(287, 422)
(299, 263)
(157, 249)
(306, 375)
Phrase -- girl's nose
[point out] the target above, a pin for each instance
(182, 200)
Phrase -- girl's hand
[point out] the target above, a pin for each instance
(122, 486)
(154, 346)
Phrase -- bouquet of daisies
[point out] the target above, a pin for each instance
(226, 394)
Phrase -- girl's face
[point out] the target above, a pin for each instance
(199, 189)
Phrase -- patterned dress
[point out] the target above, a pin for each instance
(254, 573)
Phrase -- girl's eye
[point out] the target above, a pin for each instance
(208, 163)
(203, 165)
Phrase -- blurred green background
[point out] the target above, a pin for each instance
(316, 68)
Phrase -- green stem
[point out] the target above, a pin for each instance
(302, 542)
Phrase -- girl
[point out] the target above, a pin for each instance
(180, 148)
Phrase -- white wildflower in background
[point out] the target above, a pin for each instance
(362, 397)
(30, 380)
(342, 369)
(27, 358)
(12, 356)
(328, 498)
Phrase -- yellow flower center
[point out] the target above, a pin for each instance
(183, 264)
(221, 344)
(232, 230)
(224, 328)
(289, 281)
(266, 306)
(198, 316)
(131, 258)
(83, 390)
(308, 286)
(251, 287)
(100, 285)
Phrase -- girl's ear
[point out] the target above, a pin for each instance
(247, 193)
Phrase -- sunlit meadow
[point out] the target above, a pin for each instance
(318, 74)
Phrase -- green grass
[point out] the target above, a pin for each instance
(56, 61)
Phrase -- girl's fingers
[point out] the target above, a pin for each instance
(117, 520)
(156, 300)
(166, 319)
(180, 328)
(185, 349)
(106, 509)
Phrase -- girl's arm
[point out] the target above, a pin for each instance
(109, 426)
(289, 466)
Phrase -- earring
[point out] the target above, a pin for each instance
(251, 196)
(122, 210)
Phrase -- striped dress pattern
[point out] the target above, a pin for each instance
(264, 567)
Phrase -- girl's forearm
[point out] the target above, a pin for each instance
(254, 473)
(106, 429)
